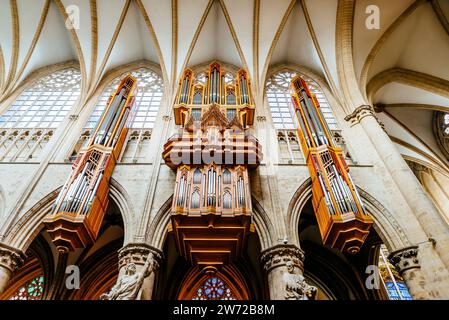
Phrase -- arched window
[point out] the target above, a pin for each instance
(147, 104)
(46, 103)
(278, 94)
(213, 288)
(29, 122)
(32, 290)
(441, 129)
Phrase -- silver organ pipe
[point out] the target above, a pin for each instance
(114, 122)
(303, 128)
(219, 191)
(204, 189)
(311, 122)
(111, 111)
(327, 196)
(223, 89)
(121, 125)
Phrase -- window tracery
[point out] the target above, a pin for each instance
(147, 103)
(46, 103)
(32, 290)
(278, 94)
(29, 122)
(213, 288)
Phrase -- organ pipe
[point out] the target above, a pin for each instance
(210, 201)
(341, 216)
(79, 209)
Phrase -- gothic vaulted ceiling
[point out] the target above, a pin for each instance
(402, 65)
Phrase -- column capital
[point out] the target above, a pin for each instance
(137, 253)
(11, 258)
(405, 259)
(280, 254)
(359, 113)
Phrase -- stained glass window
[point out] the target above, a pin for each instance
(393, 291)
(32, 290)
(214, 288)
(46, 103)
(278, 94)
(147, 104)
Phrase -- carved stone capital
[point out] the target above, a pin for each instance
(405, 259)
(360, 113)
(11, 258)
(261, 118)
(137, 253)
(166, 118)
(279, 255)
(73, 117)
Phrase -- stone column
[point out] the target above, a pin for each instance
(137, 253)
(421, 205)
(284, 266)
(11, 260)
(407, 264)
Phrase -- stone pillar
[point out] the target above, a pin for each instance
(284, 266)
(407, 264)
(421, 205)
(137, 253)
(11, 260)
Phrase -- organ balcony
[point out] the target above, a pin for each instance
(211, 215)
(342, 220)
(213, 139)
(79, 209)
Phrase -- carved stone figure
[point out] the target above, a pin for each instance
(296, 287)
(128, 286)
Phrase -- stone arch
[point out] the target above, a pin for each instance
(410, 78)
(385, 223)
(22, 233)
(157, 231)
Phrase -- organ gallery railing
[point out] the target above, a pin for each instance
(342, 219)
(78, 211)
(211, 209)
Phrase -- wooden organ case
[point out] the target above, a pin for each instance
(341, 216)
(78, 212)
(211, 210)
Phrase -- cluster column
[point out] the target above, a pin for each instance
(284, 266)
(422, 207)
(407, 264)
(11, 260)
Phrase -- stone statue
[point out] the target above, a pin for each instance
(296, 288)
(128, 286)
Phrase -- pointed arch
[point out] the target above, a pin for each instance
(23, 231)
(224, 284)
(386, 225)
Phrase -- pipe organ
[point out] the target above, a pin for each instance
(341, 216)
(77, 214)
(234, 99)
(211, 210)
